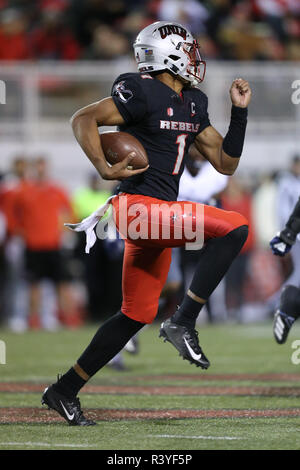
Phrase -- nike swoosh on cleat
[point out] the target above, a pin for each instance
(196, 357)
(70, 417)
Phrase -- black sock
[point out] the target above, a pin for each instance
(107, 342)
(69, 384)
(216, 257)
(188, 312)
(290, 301)
(110, 338)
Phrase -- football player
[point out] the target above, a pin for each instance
(163, 108)
(289, 305)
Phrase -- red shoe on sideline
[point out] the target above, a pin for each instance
(71, 320)
(34, 322)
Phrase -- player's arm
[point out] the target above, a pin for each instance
(85, 123)
(284, 240)
(224, 154)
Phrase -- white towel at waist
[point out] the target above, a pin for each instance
(88, 224)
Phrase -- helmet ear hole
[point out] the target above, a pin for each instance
(174, 57)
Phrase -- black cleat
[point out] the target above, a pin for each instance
(281, 326)
(185, 341)
(69, 409)
(282, 321)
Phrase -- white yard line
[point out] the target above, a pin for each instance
(42, 444)
(173, 436)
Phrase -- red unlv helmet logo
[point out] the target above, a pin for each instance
(168, 29)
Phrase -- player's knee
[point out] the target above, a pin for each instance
(243, 232)
(142, 315)
(239, 235)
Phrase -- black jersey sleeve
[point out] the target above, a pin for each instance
(129, 98)
(204, 117)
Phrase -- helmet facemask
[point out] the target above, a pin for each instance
(195, 70)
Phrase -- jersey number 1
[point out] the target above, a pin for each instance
(180, 141)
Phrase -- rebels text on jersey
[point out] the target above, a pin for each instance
(165, 123)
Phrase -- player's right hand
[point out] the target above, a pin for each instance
(121, 170)
(240, 93)
(279, 247)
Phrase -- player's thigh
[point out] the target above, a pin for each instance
(218, 222)
(145, 271)
(153, 222)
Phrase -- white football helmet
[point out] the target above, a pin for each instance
(169, 46)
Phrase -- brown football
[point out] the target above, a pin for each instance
(117, 145)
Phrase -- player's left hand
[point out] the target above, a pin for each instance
(279, 247)
(240, 93)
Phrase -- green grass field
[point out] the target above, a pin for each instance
(248, 399)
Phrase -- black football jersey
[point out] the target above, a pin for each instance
(165, 123)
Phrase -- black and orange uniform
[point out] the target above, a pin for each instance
(166, 124)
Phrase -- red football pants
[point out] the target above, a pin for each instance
(147, 257)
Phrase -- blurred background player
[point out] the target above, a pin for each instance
(284, 242)
(14, 286)
(3, 264)
(40, 207)
(236, 198)
(287, 197)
